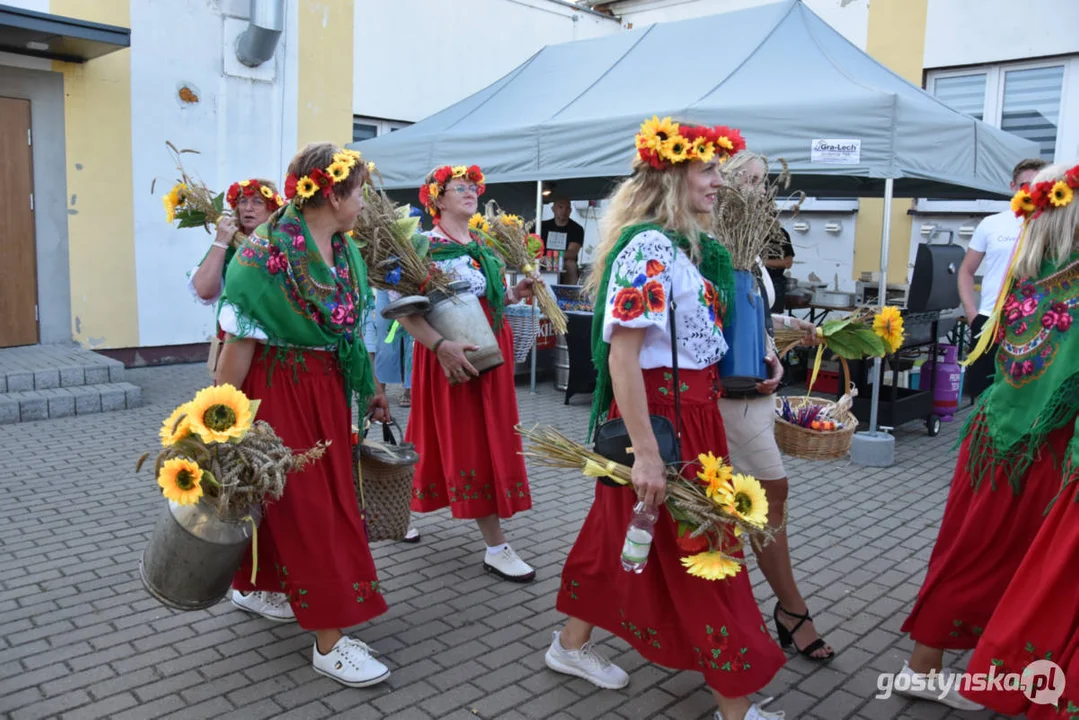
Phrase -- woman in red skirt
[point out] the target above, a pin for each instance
(1010, 464)
(1037, 619)
(461, 422)
(654, 255)
(293, 303)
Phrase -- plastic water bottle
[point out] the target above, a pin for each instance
(639, 538)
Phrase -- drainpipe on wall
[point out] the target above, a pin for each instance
(259, 41)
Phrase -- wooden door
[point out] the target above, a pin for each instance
(18, 255)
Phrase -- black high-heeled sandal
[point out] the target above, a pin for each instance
(786, 636)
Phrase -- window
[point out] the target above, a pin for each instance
(1020, 98)
(365, 128)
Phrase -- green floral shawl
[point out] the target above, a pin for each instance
(1038, 335)
(490, 265)
(715, 267)
(279, 284)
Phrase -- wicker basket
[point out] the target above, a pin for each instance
(384, 472)
(810, 444)
(524, 321)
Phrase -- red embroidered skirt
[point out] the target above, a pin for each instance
(312, 544)
(1038, 619)
(671, 618)
(469, 452)
(983, 537)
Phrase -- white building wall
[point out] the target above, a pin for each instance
(242, 126)
(849, 17)
(972, 32)
(416, 57)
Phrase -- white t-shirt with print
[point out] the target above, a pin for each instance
(995, 236)
(643, 277)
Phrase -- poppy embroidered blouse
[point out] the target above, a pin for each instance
(645, 275)
(462, 268)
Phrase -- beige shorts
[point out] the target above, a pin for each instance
(751, 441)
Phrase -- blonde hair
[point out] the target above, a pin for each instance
(1053, 235)
(646, 196)
(734, 170)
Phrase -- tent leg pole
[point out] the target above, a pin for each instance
(535, 338)
(885, 237)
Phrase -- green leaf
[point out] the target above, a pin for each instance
(831, 327)
(219, 202)
(708, 629)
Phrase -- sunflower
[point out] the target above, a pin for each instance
(346, 157)
(244, 183)
(278, 200)
(170, 209)
(434, 190)
(371, 166)
(711, 565)
(176, 427)
(746, 500)
(716, 477)
(306, 187)
(655, 132)
(676, 149)
(1022, 203)
(173, 200)
(338, 171)
(459, 171)
(266, 192)
(1061, 194)
(702, 150)
(478, 222)
(511, 220)
(219, 414)
(888, 325)
(181, 481)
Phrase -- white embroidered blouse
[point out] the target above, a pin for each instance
(462, 268)
(644, 276)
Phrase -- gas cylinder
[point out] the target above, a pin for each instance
(949, 377)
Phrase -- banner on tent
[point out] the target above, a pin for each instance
(836, 152)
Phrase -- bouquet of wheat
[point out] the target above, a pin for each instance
(714, 509)
(745, 221)
(511, 237)
(396, 254)
(215, 452)
(192, 203)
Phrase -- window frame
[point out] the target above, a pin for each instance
(993, 111)
(383, 126)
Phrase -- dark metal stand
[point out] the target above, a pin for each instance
(582, 373)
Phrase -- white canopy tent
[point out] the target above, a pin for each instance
(798, 90)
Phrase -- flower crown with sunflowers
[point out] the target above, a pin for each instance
(248, 188)
(442, 177)
(1030, 202)
(322, 180)
(665, 143)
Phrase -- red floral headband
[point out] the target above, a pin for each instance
(248, 188)
(665, 143)
(441, 177)
(1030, 202)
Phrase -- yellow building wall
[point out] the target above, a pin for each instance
(895, 38)
(324, 102)
(101, 226)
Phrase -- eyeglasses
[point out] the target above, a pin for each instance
(462, 189)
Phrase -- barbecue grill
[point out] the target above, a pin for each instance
(934, 288)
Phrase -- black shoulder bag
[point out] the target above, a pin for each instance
(612, 439)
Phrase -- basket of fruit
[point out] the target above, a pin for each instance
(815, 428)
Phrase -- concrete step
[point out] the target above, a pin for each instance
(28, 405)
(47, 367)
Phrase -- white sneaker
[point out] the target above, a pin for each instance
(508, 566)
(755, 713)
(941, 688)
(585, 663)
(412, 536)
(270, 605)
(349, 663)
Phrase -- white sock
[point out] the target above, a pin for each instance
(497, 548)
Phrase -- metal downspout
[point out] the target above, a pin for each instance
(259, 41)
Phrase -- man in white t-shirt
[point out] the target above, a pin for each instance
(990, 250)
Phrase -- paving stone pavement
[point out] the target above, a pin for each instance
(80, 637)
